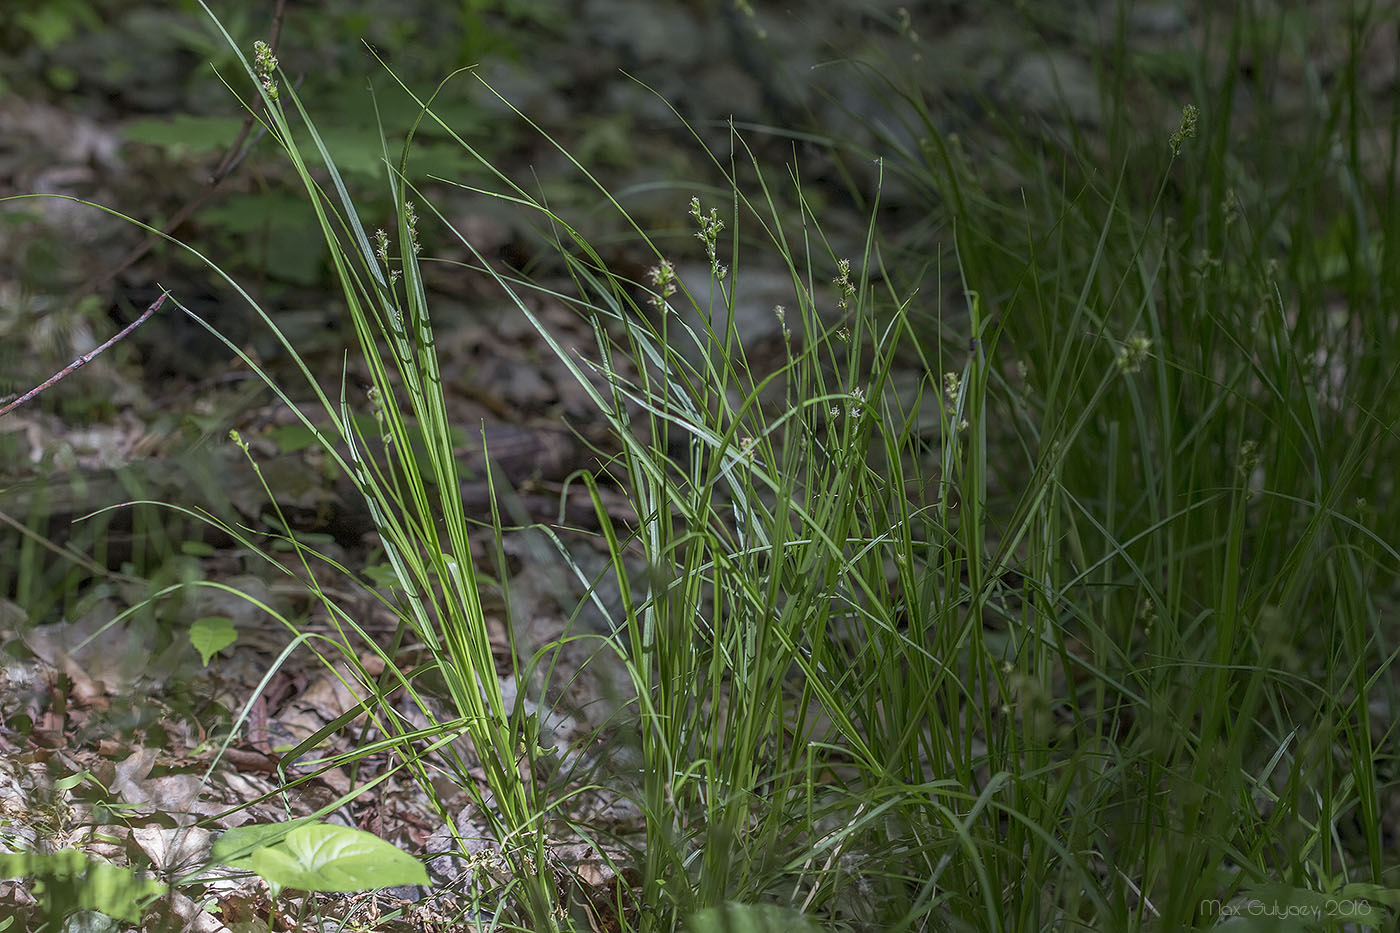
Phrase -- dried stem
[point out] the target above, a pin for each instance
(85, 358)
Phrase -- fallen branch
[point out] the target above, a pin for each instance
(86, 357)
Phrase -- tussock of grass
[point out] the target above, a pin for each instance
(1110, 648)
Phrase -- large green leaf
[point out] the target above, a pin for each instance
(321, 857)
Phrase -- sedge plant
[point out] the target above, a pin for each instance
(786, 686)
(1083, 625)
(1193, 559)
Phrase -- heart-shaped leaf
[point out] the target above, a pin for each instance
(211, 635)
(320, 857)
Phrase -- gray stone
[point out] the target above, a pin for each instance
(1159, 19)
(648, 34)
(1055, 84)
(532, 89)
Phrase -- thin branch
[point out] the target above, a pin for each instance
(85, 358)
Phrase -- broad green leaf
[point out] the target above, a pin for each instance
(320, 857)
(211, 635)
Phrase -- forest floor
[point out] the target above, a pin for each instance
(124, 703)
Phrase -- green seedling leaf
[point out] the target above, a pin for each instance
(320, 857)
(751, 918)
(67, 881)
(71, 781)
(211, 635)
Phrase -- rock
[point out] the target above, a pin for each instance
(657, 33)
(1053, 85)
(1157, 19)
(534, 90)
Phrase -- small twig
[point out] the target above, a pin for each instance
(86, 357)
